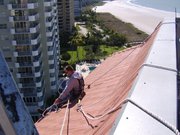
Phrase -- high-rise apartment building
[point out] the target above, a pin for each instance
(30, 43)
(65, 15)
(77, 7)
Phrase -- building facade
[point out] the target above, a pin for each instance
(15, 118)
(65, 15)
(77, 7)
(30, 43)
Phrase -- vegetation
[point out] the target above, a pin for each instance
(106, 34)
(112, 23)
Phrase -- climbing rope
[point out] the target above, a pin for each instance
(162, 121)
(113, 66)
(111, 93)
(62, 127)
(141, 44)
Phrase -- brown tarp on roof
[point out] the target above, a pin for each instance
(109, 85)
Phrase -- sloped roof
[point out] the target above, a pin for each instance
(109, 84)
(152, 105)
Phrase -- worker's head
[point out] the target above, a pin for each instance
(68, 70)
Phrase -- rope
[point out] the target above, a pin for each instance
(160, 67)
(114, 66)
(164, 122)
(62, 127)
(134, 73)
(122, 83)
(80, 109)
(129, 77)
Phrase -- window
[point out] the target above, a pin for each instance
(3, 26)
(27, 90)
(23, 59)
(26, 80)
(25, 70)
(22, 48)
(29, 99)
(8, 59)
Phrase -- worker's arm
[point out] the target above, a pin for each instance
(69, 87)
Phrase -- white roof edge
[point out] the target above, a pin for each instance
(158, 80)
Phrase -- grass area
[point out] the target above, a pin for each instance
(80, 54)
(107, 21)
(110, 49)
(112, 23)
(74, 57)
(77, 55)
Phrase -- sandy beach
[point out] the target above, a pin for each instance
(143, 18)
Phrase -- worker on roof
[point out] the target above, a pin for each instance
(73, 90)
(74, 87)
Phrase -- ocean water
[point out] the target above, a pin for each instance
(167, 5)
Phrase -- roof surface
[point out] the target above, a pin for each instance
(109, 85)
(155, 90)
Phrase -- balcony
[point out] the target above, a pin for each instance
(20, 75)
(32, 30)
(49, 24)
(36, 41)
(52, 66)
(48, 3)
(49, 34)
(23, 85)
(39, 84)
(52, 70)
(26, 53)
(37, 57)
(40, 94)
(28, 91)
(23, 64)
(50, 61)
(52, 79)
(36, 64)
(49, 43)
(36, 47)
(35, 29)
(22, 6)
(51, 52)
(35, 53)
(34, 17)
(38, 74)
(48, 14)
(27, 41)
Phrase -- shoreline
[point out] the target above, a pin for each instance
(143, 18)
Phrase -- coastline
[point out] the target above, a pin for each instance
(143, 18)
